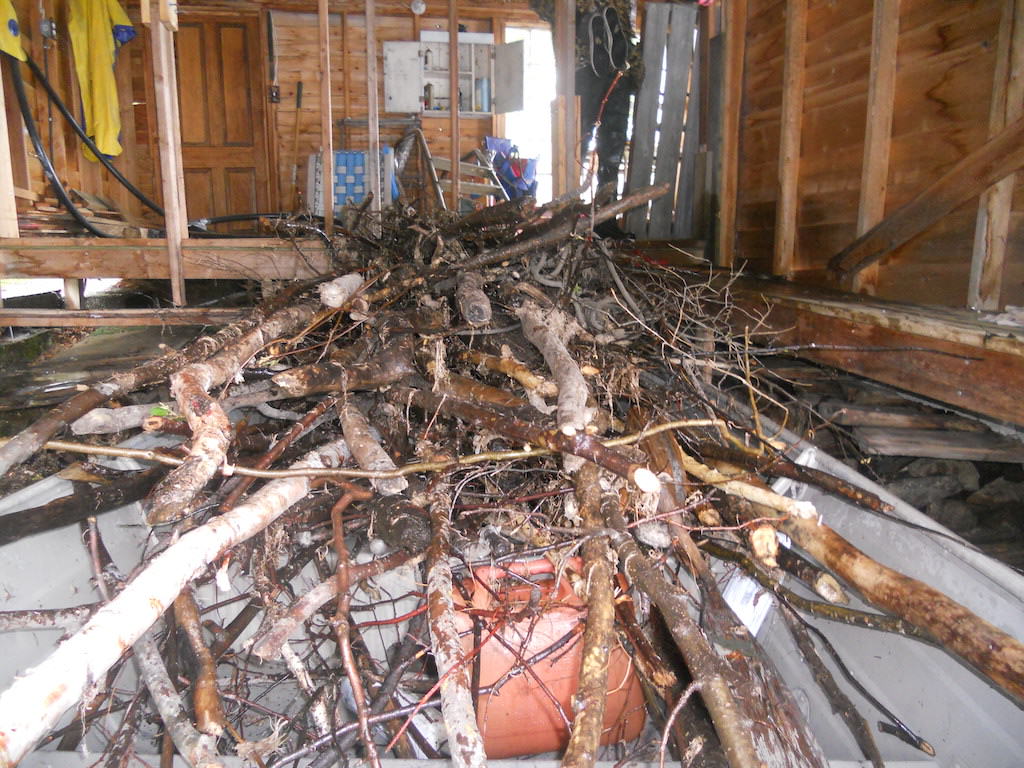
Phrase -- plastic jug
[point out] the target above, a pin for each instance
(531, 646)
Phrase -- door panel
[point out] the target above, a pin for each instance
(224, 143)
(193, 92)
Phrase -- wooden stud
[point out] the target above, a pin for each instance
(8, 208)
(732, 102)
(679, 62)
(326, 116)
(453, 98)
(993, 161)
(169, 14)
(565, 77)
(645, 120)
(787, 204)
(128, 160)
(372, 117)
(874, 178)
(169, 150)
(690, 189)
(993, 222)
(346, 64)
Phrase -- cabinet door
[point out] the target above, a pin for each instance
(509, 74)
(403, 77)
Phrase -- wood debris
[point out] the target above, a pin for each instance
(454, 399)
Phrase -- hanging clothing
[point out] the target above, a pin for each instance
(10, 32)
(97, 29)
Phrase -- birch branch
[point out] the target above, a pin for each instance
(464, 739)
(36, 700)
(211, 429)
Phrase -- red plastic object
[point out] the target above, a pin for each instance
(529, 613)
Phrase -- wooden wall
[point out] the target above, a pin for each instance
(54, 56)
(944, 84)
(295, 25)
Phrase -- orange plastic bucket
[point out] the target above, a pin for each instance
(531, 647)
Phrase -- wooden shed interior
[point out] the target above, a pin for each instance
(845, 176)
(858, 152)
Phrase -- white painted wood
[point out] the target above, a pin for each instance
(509, 77)
(403, 76)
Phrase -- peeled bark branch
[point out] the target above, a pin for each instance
(211, 430)
(102, 421)
(513, 369)
(198, 749)
(393, 364)
(37, 699)
(982, 645)
(368, 452)
(585, 446)
(269, 645)
(550, 330)
(474, 306)
(599, 635)
(210, 717)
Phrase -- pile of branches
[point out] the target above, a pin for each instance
(460, 393)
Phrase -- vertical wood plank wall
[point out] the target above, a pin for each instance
(945, 68)
(298, 58)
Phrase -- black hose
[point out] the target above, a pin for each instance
(78, 129)
(206, 220)
(37, 143)
(198, 226)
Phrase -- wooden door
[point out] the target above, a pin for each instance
(223, 127)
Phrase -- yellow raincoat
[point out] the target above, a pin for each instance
(10, 32)
(98, 28)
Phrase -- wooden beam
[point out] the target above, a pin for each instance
(169, 149)
(992, 161)
(993, 223)
(787, 204)
(64, 318)
(326, 116)
(936, 444)
(874, 175)
(565, 97)
(940, 355)
(732, 103)
(252, 258)
(894, 417)
(372, 117)
(453, 99)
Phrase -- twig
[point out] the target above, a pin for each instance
(341, 619)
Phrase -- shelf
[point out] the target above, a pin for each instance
(446, 113)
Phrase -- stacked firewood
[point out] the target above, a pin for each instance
(481, 404)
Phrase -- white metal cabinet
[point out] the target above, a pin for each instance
(416, 76)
